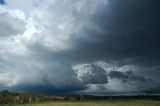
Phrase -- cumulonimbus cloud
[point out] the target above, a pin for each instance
(60, 45)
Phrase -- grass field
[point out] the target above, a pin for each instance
(99, 103)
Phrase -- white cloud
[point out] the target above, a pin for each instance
(7, 80)
(90, 74)
(53, 23)
(118, 78)
(12, 22)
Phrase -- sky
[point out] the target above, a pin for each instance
(96, 47)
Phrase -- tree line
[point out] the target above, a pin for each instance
(7, 97)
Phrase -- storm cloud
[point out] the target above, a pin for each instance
(80, 46)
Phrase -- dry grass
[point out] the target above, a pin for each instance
(99, 103)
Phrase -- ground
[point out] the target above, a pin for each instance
(99, 103)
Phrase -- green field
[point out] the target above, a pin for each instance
(98, 103)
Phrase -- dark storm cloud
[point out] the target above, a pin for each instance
(130, 30)
(118, 75)
(128, 76)
(126, 32)
(123, 32)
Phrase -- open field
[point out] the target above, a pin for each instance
(98, 103)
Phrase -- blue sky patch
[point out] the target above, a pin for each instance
(2, 2)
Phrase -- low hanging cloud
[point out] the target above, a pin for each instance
(91, 74)
(128, 76)
(112, 77)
